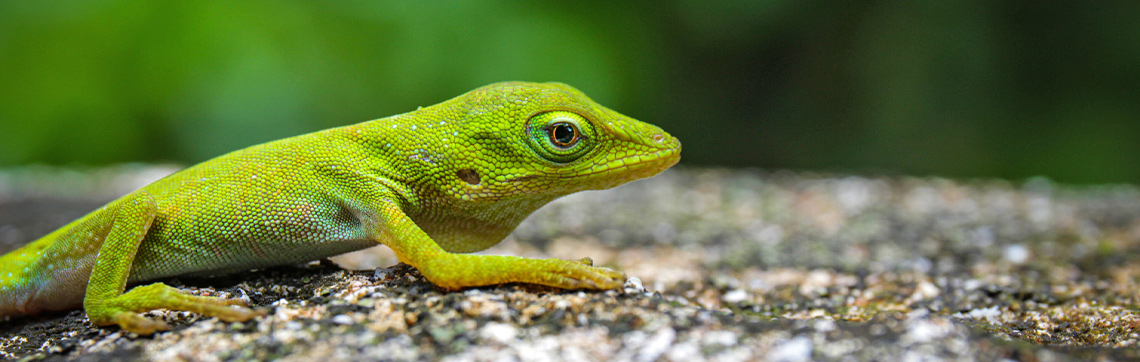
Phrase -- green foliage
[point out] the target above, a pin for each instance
(965, 89)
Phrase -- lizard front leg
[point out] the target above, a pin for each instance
(105, 302)
(449, 270)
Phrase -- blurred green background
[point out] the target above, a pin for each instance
(1009, 89)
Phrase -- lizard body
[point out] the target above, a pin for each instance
(431, 184)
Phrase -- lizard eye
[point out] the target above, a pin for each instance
(560, 136)
(563, 134)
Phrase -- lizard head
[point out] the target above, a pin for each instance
(478, 164)
(545, 140)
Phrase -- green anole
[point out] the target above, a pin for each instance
(431, 184)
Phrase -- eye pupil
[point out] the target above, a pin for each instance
(563, 134)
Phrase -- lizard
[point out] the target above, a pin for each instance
(434, 185)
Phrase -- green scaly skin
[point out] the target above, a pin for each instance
(452, 178)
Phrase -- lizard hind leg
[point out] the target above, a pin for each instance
(123, 309)
(105, 301)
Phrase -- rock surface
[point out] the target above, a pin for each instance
(725, 264)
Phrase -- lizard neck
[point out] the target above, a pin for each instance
(473, 228)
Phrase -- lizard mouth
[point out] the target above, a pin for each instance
(634, 167)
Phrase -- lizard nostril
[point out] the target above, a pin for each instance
(658, 137)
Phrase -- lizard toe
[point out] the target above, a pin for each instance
(580, 275)
(135, 323)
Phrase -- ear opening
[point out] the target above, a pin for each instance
(469, 176)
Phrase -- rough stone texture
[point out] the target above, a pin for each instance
(728, 265)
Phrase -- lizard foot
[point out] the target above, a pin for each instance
(123, 309)
(464, 270)
(579, 274)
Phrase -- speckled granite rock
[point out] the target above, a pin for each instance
(729, 265)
